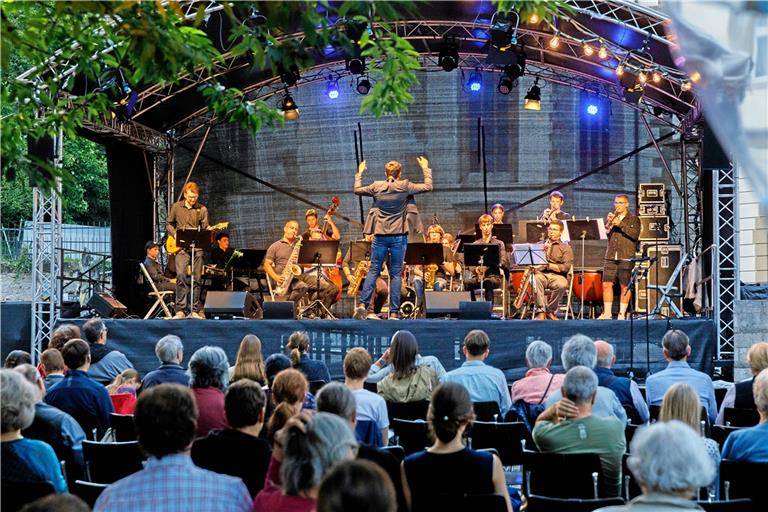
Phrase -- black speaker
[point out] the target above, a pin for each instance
(106, 305)
(714, 156)
(231, 304)
(480, 310)
(440, 304)
(279, 309)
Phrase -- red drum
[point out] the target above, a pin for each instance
(593, 285)
(516, 278)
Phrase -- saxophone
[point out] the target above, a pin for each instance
(291, 269)
(521, 292)
(358, 278)
(429, 276)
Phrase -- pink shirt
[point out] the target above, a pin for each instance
(530, 388)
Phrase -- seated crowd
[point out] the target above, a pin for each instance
(252, 436)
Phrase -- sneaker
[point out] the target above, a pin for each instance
(179, 315)
(197, 315)
(361, 313)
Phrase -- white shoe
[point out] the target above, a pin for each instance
(179, 315)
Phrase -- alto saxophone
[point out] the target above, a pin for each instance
(521, 291)
(358, 278)
(291, 270)
(429, 276)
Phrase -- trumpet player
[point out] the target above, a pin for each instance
(553, 275)
(491, 276)
(623, 233)
(381, 289)
(556, 202)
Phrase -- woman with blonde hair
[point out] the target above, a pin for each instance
(681, 402)
(122, 391)
(740, 395)
(249, 363)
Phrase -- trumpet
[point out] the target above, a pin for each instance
(610, 217)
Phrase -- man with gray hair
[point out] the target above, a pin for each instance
(106, 362)
(751, 444)
(170, 351)
(569, 426)
(579, 350)
(677, 350)
(538, 382)
(670, 462)
(626, 390)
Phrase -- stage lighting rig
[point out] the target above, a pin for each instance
(289, 107)
(533, 97)
(289, 76)
(448, 59)
(355, 62)
(332, 87)
(475, 82)
(504, 30)
(363, 85)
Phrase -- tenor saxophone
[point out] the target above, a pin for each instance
(521, 291)
(429, 276)
(358, 278)
(291, 270)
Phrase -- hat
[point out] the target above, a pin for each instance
(311, 211)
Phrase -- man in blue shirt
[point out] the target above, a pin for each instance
(626, 390)
(79, 395)
(751, 444)
(484, 383)
(170, 351)
(676, 351)
(106, 362)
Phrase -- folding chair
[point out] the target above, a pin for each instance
(408, 410)
(123, 427)
(157, 295)
(560, 475)
(504, 437)
(487, 411)
(106, 463)
(89, 492)
(735, 417)
(459, 502)
(412, 435)
(720, 433)
(740, 505)
(739, 479)
(547, 504)
(396, 450)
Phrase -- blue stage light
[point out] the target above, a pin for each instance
(592, 109)
(475, 81)
(332, 89)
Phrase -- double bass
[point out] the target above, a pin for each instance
(333, 274)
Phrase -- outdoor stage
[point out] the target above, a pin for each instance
(442, 338)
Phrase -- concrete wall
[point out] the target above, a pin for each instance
(750, 327)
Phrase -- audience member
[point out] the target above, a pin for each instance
(669, 461)
(209, 375)
(484, 383)
(408, 381)
(626, 390)
(79, 395)
(165, 424)
(681, 403)
(751, 444)
(356, 485)
(336, 398)
(676, 352)
(288, 391)
(238, 450)
(57, 503)
(122, 391)
(17, 357)
(106, 362)
(170, 351)
(579, 350)
(448, 466)
(305, 450)
(24, 460)
(740, 395)
(53, 366)
(569, 426)
(538, 382)
(273, 365)
(382, 367)
(55, 427)
(249, 363)
(369, 406)
(62, 334)
(298, 345)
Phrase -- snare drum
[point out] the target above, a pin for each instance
(593, 285)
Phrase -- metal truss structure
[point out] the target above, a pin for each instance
(690, 162)
(726, 284)
(46, 259)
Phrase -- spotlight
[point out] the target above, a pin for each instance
(695, 76)
(588, 50)
(475, 82)
(620, 70)
(332, 88)
(533, 97)
(289, 108)
(356, 65)
(449, 54)
(685, 86)
(642, 77)
(506, 85)
(504, 31)
(363, 85)
(592, 109)
(602, 53)
(656, 77)
(554, 42)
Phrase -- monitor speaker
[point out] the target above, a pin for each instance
(106, 305)
(231, 304)
(441, 304)
(480, 310)
(279, 309)
(713, 157)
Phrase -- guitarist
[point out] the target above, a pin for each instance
(187, 214)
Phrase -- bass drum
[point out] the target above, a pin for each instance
(408, 302)
(593, 285)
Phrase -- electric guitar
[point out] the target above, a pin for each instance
(170, 242)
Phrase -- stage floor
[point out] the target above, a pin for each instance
(330, 339)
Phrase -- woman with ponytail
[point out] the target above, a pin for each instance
(298, 347)
(448, 467)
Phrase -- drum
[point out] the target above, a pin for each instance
(593, 285)
(516, 279)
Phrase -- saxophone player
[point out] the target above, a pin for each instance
(492, 276)
(437, 277)
(358, 273)
(554, 212)
(279, 255)
(553, 276)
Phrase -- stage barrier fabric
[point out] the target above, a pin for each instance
(331, 339)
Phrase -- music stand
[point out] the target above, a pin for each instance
(482, 255)
(249, 264)
(320, 253)
(359, 250)
(530, 254)
(423, 254)
(191, 240)
(465, 240)
(588, 229)
(535, 231)
(503, 232)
